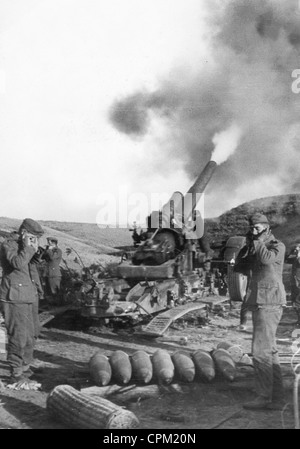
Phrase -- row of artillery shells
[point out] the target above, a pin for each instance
(161, 367)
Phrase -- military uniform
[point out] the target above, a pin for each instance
(294, 260)
(53, 257)
(265, 297)
(19, 296)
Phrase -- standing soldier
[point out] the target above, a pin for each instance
(53, 257)
(294, 260)
(19, 296)
(265, 297)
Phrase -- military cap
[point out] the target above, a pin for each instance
(32, 226)
(258, 218)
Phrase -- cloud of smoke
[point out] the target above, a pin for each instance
(254, 47)
(226, 142)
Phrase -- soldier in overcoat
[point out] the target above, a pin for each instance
(19, 293)
(264, 257)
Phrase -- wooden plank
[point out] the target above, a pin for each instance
(160, 324)
(45, 318)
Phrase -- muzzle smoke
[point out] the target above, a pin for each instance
(226, 143)
(241, 101)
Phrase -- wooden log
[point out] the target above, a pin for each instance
(131, 393)
(81, 411)
(123, 395)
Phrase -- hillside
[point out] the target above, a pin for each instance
(94, 245)
(103, 245)
(283, 212)
(106, 240)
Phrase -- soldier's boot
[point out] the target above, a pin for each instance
(278, 396)
(16, 375)
(27, 372)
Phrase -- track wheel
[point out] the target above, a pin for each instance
(237, 285)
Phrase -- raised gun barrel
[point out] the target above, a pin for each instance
(176, 227)
(195, 192)
(184, 206)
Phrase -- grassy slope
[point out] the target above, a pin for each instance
(96, 244)
(91, 243)
(282, 211)
(105, 239)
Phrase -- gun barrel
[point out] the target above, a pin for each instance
(204, 178)
(185, 205)
(195, 192)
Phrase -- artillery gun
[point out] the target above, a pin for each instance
(172, 270)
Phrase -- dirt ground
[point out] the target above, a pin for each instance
(67, 343)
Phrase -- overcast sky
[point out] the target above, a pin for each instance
(64, 63)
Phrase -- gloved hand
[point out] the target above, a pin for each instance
(263, 236)
(31, 241)
(250, 247)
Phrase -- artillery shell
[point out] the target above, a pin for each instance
(121, 367)
(224, 363)
(142, 370)
(204, 364)
(163, 367)
(100, 369)
(235, 351)
(224, 345)
(184, 366)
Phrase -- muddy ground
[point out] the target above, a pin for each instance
(67, 343)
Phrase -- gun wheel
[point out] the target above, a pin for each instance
(237, 285)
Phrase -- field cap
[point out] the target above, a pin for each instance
(258, 218)
(32, 226)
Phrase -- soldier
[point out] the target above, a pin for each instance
(265, 297)
(294, 260)
(19, 296)
(243, 266)
(208, 276)
(53, 256)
